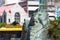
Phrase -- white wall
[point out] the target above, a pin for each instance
(33, 8)
(51, 14)
(12, 1)
(23, 14)
(52, 18)
(8, 16)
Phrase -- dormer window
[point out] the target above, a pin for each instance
(9, 11)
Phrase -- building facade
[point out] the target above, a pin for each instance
(51, 9)
(32, 6)
(13, 12)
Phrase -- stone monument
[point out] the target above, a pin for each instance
(40, 21)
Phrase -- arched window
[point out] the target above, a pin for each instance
(9, 20)
(1, 20)
(17, 17)
(4, 16)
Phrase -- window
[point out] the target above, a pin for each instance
(4, 18)
(1, 20)
(17, 17)
(9, 20)
(9, 11)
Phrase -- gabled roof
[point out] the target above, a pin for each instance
(7, 8)
(23, 5)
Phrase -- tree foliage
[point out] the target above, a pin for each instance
(55, 28)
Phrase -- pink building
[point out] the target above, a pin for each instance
(13, 12)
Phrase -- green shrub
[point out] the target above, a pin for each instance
(56, 29)
(2, 25)
(58, 17)
(14, 23)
